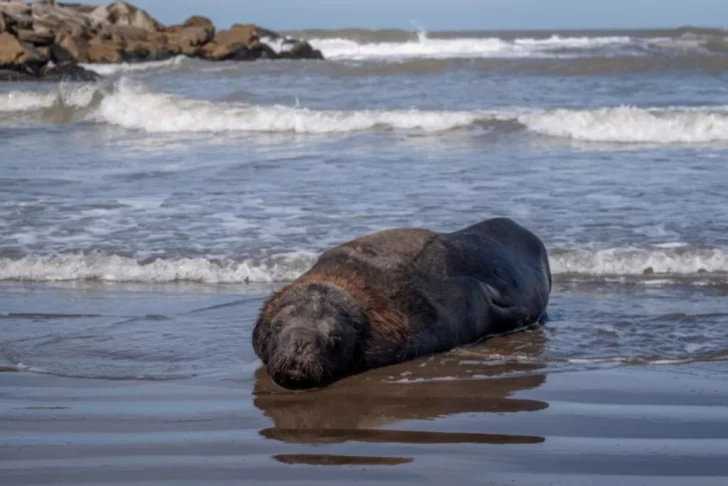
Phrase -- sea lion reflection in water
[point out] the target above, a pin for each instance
(371, 407)
(398, 294)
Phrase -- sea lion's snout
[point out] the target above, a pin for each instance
(301, 359)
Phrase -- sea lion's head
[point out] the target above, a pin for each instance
(311, 338)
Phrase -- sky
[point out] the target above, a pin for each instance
(446, 14)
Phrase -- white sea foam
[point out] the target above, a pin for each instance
(287, 266)
(629, 124)
(122, 269)
(77, 96)
(639, 261)
(112, 69)
(424, 47)
(131, 106)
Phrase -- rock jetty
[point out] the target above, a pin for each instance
(47, 40)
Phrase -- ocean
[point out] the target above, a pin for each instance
(145, 218)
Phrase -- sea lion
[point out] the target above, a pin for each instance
(397, 294)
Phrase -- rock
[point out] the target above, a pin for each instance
(261, 50)
(122, 34)
(16, 8)
(15, 22)
(144, 51)
(122, 13)
(36, 38)
(11, 75)
(198, 21)
(302, 50)
(240, 36)
(188, 40)
(60, 55)
(61, 21)
(77, 46)
(217, 52)
(258, 31)
(73, 30)
(103, 52)
(18, 55)
(240, 42)
(68, 72)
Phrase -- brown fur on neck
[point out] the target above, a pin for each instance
(386, 321)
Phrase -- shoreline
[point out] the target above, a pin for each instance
(644, 426)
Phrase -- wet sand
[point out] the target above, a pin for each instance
(444, 419)
(619, 426)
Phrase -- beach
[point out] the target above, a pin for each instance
(145, 217)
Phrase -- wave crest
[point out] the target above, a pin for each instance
(426, 47)
(630, 124)
(680, 262)
(131, 105)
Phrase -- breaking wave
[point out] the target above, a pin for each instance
(78, 96)
(116, 268)
(675, 262)
(629, 124)
(425, 47)
(393, 45)
(132, 106)
(112, 69)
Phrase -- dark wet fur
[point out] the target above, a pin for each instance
(399, 294)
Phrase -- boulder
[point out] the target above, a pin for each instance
(226, 52)
(198, 21)
(188, 40)
(261, 50)
(236, 36)
(35, 37)
(16, 22)
(103, 52)
(240, 42)
(68, 72)
(59, 55)
(76, 46)
(60, 20)
(122, 13)
(16, 8)
(121, 35)
(73, 30)
(302, 50)
(139, 51)
(18, 55)
(11, 75)
(258, 31)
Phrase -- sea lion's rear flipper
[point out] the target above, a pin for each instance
(505, 313)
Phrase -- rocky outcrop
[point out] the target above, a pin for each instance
(69, 71)
(124, 14)
(49, 39)
(18, 55)
(302, 50)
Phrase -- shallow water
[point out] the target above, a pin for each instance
(143, 221)
(190, 403)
